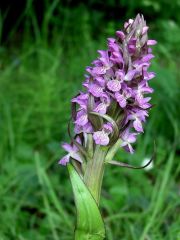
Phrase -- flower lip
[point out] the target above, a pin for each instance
(114, 85)
(101, 138)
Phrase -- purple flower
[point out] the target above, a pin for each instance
(116, 89)
(72, 153)
(123, 97)
(137, 117)
(116, 55)
(139, 92)
(144, 102)
(114, 85)
(151, 42)
(103, 64)
(127, 139)
(81, 99)
(87, 128)
(108, 128)
(82, 118)
(101, 138)
(120, 35)
(129, 76)
(101, 108)
(95, 90)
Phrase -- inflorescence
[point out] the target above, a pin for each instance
(115, 104)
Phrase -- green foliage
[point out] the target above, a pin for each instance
(39, 74)
(89, 224)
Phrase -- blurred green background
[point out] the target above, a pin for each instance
(45, 47)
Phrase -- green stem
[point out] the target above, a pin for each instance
(94, 172)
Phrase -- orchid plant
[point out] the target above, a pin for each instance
(108, 115)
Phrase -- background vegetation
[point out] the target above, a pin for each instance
(45, 46)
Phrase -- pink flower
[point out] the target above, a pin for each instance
(116, 90)
(128, 138)
(72, 153)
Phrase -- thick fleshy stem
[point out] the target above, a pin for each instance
(95, 171)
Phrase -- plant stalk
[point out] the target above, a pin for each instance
(95, 171)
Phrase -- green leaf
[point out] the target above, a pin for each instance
(89, 224)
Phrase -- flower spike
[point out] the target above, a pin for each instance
(109, 113)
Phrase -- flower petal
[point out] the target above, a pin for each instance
(108, 128)
(101, 138)
(96, 90)
(151, 42)
(114, 85)
(121, 35)
(129, 75)
(82, 120)
(67, 147)
(101, 108)
(129, 148)
(138, 125)
(64, 160)
(121, 100)
(99, 70)
(147, 57)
